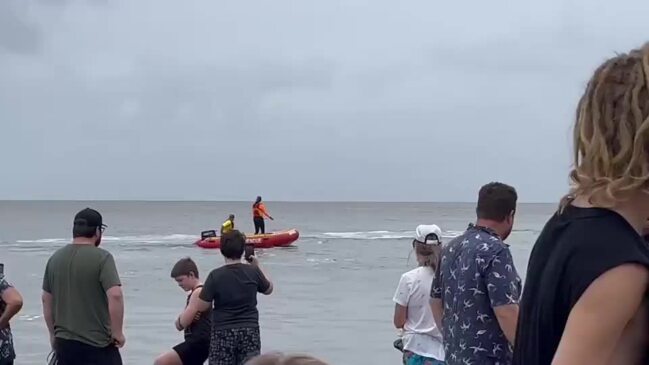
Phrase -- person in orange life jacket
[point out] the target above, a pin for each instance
(258, 213)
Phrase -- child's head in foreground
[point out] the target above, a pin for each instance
(185, 272)
(282, 359)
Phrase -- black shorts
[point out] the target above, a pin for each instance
(69, 352)
(193, 352)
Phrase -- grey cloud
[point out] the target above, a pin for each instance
(233, 93)
(326, 100)
(18, 34)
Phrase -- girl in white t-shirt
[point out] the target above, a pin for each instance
(422, 340)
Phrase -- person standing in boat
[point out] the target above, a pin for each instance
(228, 225)
(258, 213)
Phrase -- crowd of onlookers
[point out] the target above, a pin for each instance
(585, 299)
(475, 289)
(83, 306)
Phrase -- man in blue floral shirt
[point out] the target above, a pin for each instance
(476, 289)
(10, 303)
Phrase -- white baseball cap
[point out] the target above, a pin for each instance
(428, 234)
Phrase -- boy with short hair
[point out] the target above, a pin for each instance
(195, 349)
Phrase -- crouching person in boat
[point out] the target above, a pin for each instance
(228, 225)
(195, 349)
(231, 291)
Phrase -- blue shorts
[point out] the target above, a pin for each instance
(410, 358)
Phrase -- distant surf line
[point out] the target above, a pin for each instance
(184, 238)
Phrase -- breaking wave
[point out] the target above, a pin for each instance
(171, 238)
(374, 235)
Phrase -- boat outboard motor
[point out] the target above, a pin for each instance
(208, 234)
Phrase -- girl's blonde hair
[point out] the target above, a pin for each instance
(281, 359)
(611, 133)
(429, 252)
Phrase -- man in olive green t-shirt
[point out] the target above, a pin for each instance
(83, 304)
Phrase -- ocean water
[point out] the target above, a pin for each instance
(333, 288)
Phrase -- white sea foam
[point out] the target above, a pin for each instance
(374, 235)
(190, 238)
(45, 240)
(171, 238)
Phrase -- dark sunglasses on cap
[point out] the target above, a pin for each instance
(431, 239)
(84, 223)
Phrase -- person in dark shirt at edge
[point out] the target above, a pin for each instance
(585, 297)
(476, 288)
(195, 349)
(231, 290)
(10, 304)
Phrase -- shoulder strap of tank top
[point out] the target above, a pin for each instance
(197, 286)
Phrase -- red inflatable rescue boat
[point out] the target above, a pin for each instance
(268, 240)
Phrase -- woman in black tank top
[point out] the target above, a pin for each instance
(584, 300)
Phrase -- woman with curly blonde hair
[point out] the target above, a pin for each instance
(281, 359)
(584, 299)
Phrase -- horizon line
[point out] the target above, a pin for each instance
(247, 201)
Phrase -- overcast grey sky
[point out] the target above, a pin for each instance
(296, 100)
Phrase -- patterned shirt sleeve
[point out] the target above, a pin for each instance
(436, 289)
(4, 285)
(503, 282)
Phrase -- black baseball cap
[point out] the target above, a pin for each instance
(89, 218)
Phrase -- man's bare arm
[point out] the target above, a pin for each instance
(46, 298)
(437, 307)
(195, 306)
(597, 321)
(507, 316)
(14, 302)
(116, 311)
(400, 316)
